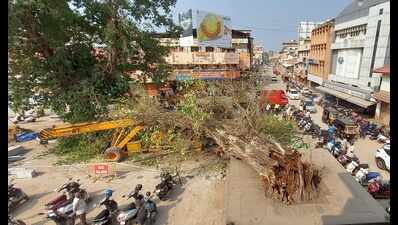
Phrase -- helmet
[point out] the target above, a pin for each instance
(108, 193)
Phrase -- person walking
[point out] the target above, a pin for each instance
(80, 208)
(362, 129)
(308, 114)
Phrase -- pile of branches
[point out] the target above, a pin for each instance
(233, 122)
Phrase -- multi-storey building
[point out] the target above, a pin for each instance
(361, 44)
(209, 62)
(302, 63)
(319, 54)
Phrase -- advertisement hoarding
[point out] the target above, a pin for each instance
(185, 21)
(213, 30)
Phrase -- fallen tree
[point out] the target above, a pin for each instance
(228, 114)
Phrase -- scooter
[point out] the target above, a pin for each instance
(106, 216)
(379, 190)
(63, 215)
(15, 197)
(383, 139)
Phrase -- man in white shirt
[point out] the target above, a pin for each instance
(308, 114)
(80, 207)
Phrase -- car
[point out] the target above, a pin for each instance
(306, 91)
(309, 105)
(383, 157)
(293, 94)
(274, 78)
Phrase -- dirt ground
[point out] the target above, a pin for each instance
(200, 200)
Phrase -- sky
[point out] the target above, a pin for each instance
(272, 21)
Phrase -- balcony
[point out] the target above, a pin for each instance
(202, 58)
(349, 43)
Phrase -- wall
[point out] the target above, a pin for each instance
(385, 84)
(364, 79)
(382, 43)
(320, 54)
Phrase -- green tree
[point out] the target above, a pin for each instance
(75, 55)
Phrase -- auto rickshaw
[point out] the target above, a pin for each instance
(329, 115)
(346, 128)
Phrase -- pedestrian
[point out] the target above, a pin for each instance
(362, 130)
(268, 107)
(288, 111)
(80, 207)
(344, 145)
(301, 107)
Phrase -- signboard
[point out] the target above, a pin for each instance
(101, 169)
(185, 21)
(213, 30)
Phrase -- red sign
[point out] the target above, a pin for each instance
(102, 169)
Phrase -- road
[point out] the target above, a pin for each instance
(365, 149)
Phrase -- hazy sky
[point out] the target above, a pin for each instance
(272, 21)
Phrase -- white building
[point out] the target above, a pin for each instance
(361, 44)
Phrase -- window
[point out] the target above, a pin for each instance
(194, 49)
(209, 49)
(381, 11)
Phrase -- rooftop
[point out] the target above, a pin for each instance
(357, 9)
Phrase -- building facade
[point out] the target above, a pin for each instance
(320, 54)
(305, 29)
(360, 44)
(209, 62)
(302, 63)
(382, 96)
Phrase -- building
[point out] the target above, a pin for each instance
(320, 53)
(382, 96)
(209, 62)
(305, 28)
(361, 43)
(289, 48)
(258, 55)
(302, 63)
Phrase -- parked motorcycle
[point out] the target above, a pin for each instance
(13, 221)
(106, 216)
(69, 189)
(379, 189)
(165, 186)
(363, 176)
(129, 216)
(334, 148)
(15, 197)
(63, 215)
(344, 159)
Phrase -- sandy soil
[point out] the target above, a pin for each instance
(200, 200)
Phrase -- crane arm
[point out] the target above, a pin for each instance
(81, 128)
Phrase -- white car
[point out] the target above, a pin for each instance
(383, 157)
(293, 94)
(305, 91)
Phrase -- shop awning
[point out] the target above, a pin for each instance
(349, 98)
(385, 70)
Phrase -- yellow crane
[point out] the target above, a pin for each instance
(121, 145)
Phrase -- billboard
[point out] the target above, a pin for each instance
(213, 30)
(185, 21)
